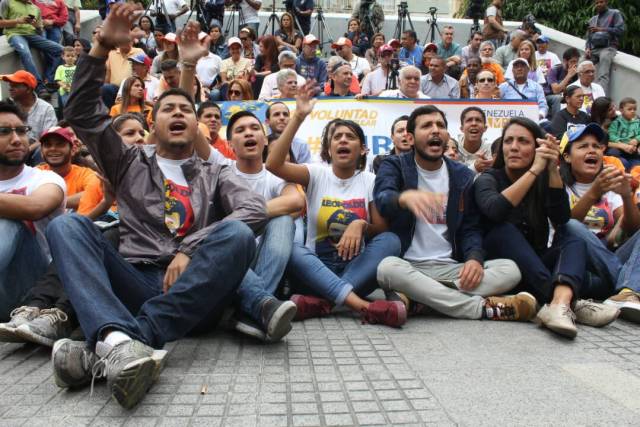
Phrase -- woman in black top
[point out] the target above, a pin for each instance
(573, 96)
(288, 37)
(518, 198)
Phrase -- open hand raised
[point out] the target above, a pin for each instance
(116, 29)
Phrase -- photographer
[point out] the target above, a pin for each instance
(605, 30)
(368, 11)
(166, 12)
(249, 11)
(381, 78)
(302, 10)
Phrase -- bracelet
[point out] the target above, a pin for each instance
(532, 173)
(186, 64)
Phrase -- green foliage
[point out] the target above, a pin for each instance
(571, 16)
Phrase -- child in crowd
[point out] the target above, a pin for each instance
(624, 133)
(64, 73)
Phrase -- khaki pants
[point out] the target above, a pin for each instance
(437, 286)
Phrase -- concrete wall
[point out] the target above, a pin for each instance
(626, 69)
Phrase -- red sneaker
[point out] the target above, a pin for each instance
(309, 306)
(390, 313)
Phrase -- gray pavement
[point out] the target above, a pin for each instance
(336, 371)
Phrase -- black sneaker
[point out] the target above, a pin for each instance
(276, 318)
(244, 324)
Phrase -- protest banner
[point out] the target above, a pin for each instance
(376, 116)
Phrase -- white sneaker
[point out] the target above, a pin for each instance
(559, 318)
(594, 314)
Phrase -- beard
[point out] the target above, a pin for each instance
(5, 161)
(429, 157)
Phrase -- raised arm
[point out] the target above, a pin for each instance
(85, 110)
(191, 49)
(278, 150)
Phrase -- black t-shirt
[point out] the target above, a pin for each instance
(563, 118)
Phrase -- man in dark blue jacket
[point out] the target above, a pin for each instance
(427, 200)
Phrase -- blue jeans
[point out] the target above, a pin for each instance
(262, 279)
(54, 34)
(51, 51)
(332, 278)
(22, 262)
(617, 270)
(109, 293)
(564, 262)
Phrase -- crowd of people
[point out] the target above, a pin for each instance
(131, 220)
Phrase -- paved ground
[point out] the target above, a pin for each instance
(336, 371)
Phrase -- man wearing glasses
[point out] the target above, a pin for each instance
(592, 90)
(29, 199)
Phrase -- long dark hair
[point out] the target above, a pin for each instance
(534, 199)
(600, 110)
(270, 50)
(126, 94)
(328, 132)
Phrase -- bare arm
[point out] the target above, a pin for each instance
(36, 206)
(289, 202)
(74, 201)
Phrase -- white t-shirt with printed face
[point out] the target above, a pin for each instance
(333, 203)
(430, 241)
(28, 181)
(599, 219)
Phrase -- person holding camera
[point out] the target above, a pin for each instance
(384, 76)
(369, 12)
(23, 26)
(302, 10)
(605, 30)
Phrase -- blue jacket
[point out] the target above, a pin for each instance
(399, 173)
(314, 68)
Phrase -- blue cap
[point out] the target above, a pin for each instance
(542, 39)
(575, 132)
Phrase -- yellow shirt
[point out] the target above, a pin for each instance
(119, 66)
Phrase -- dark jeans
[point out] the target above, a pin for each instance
(564, 262)
(109, 293)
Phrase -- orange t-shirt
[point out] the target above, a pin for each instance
(116, 110)
(77, 180)
(222, 145)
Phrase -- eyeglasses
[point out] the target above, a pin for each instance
(486, 80)
(19, 130)
(235, 93)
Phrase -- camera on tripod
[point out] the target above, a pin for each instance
(433, 11)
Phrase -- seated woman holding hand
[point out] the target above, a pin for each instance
(346, 236)
(518, 198)
(604, 212)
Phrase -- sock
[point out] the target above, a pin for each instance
(116, 337)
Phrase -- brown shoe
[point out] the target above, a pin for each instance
(628, 302)
(521, 307)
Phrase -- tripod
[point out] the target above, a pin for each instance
(273, 19)
(433, 25)
(200, 16)
(322, 28)
(231, 21)
(403, 15)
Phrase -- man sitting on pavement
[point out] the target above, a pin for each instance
(399, 140)
(186, 235)
(277, 118)
(473, 150)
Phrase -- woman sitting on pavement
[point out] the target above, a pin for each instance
(604, 212)
(335, 264)
(518, 198)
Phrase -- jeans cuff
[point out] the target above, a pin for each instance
(342, 295)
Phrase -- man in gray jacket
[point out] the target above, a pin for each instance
(187, 239)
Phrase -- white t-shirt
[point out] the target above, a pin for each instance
(208, 68)
(468, 158)
(333, 203)
(173, 6)
(250, 14)
(375, 82)
(429, 241)
(25, 183)
(359, 65)
(264, 182)
(547, 61)
(591, 93)
(270, 86)
(172, 169)
(600, 218)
